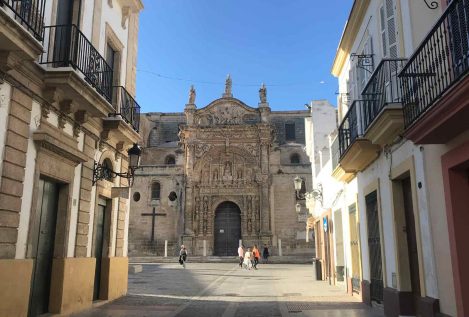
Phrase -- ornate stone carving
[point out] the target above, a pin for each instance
(263, 94)
(205, 215)
(201, 149)
(228, 87)
(192, 95)
(196, 222)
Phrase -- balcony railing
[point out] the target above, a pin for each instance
(126, 107)
(439, 62)
(350, 128)
(67, 46)
(383, 88)
(30, 13)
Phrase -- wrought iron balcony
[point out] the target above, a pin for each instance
(67, 46)
(29, 13)
(382, 89)
(441, 60)
(350, 128)
(126, 107)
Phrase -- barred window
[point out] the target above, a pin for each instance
(170, 160)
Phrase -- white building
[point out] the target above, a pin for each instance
(410, 259)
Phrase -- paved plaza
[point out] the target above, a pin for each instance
(211, 289)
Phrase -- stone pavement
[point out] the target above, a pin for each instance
(223, 289)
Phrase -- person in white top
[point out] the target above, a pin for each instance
(241, 255)
(247, 259)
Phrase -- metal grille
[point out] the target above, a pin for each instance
(374, 245)
(67, 46)
(382, 88)
(127, 107)
(441, 60)
(350, 128)
(30, 13)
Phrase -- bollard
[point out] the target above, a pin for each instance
(280, 247)
(165, 248)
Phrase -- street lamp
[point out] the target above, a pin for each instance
(101, 171)
(298, 207)
(316, 194)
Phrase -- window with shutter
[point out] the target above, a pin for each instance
(388, 29)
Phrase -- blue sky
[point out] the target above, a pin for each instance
(287, 44)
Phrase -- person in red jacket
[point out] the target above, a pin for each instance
(257, 255)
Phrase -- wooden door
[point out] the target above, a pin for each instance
(374, 246)
(227, 229)
(48, 197)
(411, 242)
(98, 244)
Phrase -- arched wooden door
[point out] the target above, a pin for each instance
(227, 229)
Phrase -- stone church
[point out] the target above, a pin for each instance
(215, 175)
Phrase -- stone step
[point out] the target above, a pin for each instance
(290, 259)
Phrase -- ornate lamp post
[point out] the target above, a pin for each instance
(100, 171)
(316, 194)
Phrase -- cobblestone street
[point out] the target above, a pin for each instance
(207, 289)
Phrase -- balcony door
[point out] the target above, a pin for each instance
(63, 33)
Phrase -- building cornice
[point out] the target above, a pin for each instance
(349, 34)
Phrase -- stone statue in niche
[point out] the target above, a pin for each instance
(239, 173)
(205, 176)
(196, 215)
(249, 225)
(215, 174)
(227, 169)
(248, 177)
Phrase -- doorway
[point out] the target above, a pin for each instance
(45, 226)
(411, 242)
(227, 229)
(339, 246)
(99, 243)
(374, 246)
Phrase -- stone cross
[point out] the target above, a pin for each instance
(153, 216)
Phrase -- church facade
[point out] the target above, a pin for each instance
(218, 175)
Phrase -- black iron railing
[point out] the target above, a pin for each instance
(30, 13)
(441, 60)
(67, 46)
(126, 106)
(383, 88)
(351, 127)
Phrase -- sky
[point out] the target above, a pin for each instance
(287, 44)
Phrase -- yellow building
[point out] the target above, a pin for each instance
(67, 119)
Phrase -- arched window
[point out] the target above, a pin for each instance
(295, 158)
(170, 160)
(155, 191)
(153, 137)
(107, 169)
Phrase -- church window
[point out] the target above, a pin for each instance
(290, 132)
(170, 160)
(136, 196)
(295, 158)
(155, 191)
(153, 137)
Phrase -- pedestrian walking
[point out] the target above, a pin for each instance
(248, 259)
(256, 255)
(183, 256)
(241, 255)
(265, 253)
